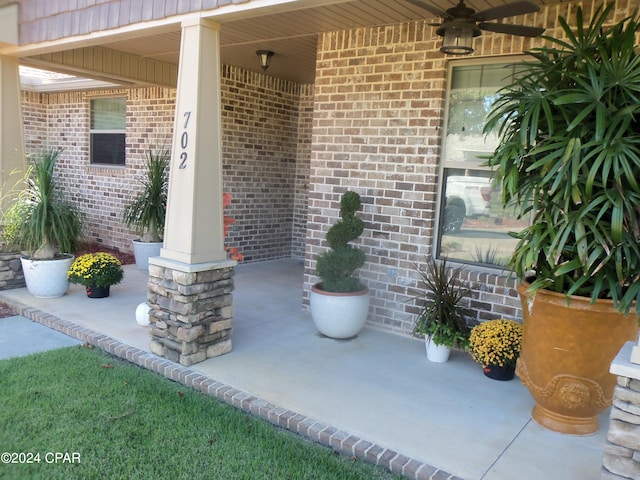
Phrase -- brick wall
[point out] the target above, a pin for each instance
(100, 190)
(34, 118)
(303, 155)
(379, 101)
(378, 105)
(264, 153)
(260, 149)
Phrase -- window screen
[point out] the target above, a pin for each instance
(107, 130)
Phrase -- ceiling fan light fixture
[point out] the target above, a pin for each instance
(458, 39)
(461, 23)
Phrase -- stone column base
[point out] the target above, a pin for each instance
(621, 455)
(11, 274)
(191, 309)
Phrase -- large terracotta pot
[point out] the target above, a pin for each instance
(566, 354)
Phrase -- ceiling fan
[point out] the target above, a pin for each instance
(461, 23)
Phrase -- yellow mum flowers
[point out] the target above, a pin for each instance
(496, 342)
(96, 269)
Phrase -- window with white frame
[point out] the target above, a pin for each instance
(107, 130)
(473, 227)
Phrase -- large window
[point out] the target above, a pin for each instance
(473, 226)
(107, 130)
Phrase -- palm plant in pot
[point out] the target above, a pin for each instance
(443, 321)
(146, 210)
(46, 226)
(569, 159)
(339, 302)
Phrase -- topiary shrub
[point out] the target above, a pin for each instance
(336, 267)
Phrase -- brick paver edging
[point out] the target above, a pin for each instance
(318, 432)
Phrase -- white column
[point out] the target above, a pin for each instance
(194, 231)
(12, 155)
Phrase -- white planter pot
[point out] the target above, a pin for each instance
(46, 278)
(143, 251)
(436, 353)
(339, 315)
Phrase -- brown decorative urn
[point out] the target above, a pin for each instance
(566, 354)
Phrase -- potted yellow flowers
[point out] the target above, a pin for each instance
(496, 344)
(97, 272)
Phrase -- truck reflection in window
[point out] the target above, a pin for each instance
(466, 196)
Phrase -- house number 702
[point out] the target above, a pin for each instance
(184, 141)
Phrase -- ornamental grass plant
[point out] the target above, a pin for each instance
(146, 209)
(442, 315)
(41, 220)
(496, 342)
(96, 270)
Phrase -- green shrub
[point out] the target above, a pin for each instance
(11, 219)
(336, 267)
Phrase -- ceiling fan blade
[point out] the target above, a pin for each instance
(508, 10)
(520, 30)
(430, 8)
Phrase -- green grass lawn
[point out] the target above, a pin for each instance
(124, 422)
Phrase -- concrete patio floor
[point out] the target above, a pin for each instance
(377, 389)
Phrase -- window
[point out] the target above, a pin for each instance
(107, 130)
(473, 226)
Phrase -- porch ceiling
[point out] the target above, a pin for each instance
(291, 34)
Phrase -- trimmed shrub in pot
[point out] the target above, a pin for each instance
(339, 302)
(569, 160)
(147, 209)
(48, 227)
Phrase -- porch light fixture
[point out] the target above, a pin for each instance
(265, 58)
(458, 37)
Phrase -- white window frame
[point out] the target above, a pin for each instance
(98, 131)
(444, 165)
